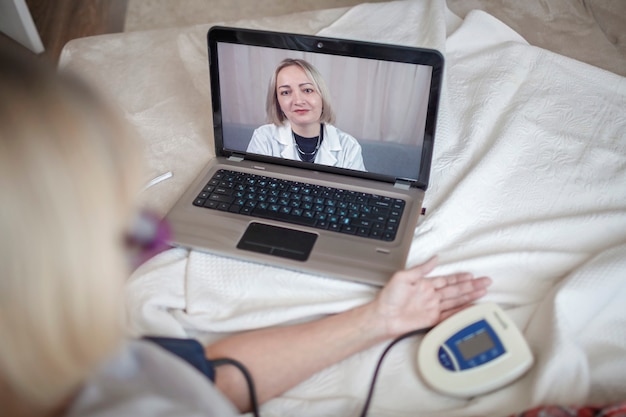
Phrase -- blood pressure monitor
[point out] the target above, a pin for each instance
(473, 352)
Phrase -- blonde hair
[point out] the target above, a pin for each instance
(274, 112)
(67, 180)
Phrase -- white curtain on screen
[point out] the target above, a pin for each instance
(373, 100)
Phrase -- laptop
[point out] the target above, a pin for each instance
(323, 153)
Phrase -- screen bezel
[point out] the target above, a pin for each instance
(331, 46)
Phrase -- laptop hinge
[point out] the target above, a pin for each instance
(235, 157)
(402, 184)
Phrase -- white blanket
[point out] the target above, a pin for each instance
(528, 186)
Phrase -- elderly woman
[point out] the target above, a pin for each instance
(301, 117)
(68, 180)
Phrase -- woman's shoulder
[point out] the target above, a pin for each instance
(340, 134)
(270, 127)
(133, 378)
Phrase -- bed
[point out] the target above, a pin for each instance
(528, 186)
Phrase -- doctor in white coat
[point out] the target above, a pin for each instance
(301, 117)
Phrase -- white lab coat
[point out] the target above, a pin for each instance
(337, 149)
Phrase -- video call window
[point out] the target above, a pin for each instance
(379, 105)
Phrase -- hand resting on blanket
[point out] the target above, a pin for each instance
(279, 358)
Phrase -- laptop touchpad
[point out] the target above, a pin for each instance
(277, 241)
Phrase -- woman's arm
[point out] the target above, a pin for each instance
(281, 357)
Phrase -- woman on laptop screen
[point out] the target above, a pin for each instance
(301, 117)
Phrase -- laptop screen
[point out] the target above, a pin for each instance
(363, 109)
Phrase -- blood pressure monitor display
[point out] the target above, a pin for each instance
(475, 351)
(476, 344)
(470, 347)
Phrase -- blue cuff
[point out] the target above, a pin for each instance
(188, 349)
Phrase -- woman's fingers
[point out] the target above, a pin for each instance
(460, 288)
(451, 286)
(447, 294)
(462, 300)
(470, 292)
(452, 279)
(456, 290)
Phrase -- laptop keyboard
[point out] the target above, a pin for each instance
(343, 211)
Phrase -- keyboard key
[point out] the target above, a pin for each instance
(348, 229)
(363, 231)
(221, 198)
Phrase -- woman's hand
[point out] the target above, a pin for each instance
(410, 301)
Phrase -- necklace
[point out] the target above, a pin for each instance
(308, 156)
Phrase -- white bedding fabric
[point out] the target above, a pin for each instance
(528, 186)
